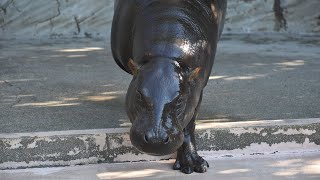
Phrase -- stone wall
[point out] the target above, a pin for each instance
(55, 18)
(292, 16)
(29, 19)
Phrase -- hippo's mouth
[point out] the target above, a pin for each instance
(156, 148)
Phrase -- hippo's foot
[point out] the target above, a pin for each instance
(190, 162)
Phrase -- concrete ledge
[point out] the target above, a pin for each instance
(62, 148)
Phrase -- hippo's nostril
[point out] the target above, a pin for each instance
(167, 140)
(146, 139)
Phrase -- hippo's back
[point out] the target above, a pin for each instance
(179, 29)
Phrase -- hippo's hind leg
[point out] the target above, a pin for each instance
(188, 159)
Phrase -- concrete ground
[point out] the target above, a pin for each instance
(74, 84)
(284, 166)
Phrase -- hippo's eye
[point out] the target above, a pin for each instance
(180, 103)
(138, 105)
(139, 95)
(180, 106)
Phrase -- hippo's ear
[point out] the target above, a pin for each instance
(194, 74)
(133, 67)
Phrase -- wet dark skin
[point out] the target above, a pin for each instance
(169, 47)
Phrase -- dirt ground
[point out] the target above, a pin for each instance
(75, 84)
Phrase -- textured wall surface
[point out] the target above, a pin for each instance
(294, 16)
(55, 18)
(82, 18)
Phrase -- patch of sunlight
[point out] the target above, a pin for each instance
(81, 49)
(287, 172)
(129, 174)
(108, 85)
(298, 166)
(259, 64)
(216, 77)
(315, 161)
(76, 56)
(100, 98)
(113, 92)
(212, 120)
(20, 80)
(70, 99)
(56, 56)
(292, 63)
(233, 171)
(286, 163)
(8, 100)
(22, 96)
(240, 78)
(236, 77)
(313, 167)
(47, 104)
(85, 92)
(225, 123)
(244, 77)
(125, 124)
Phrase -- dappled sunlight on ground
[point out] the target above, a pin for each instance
(21, 80)
(225, 123)
(286, 65)
(291, 63)
(76, 81)
(99, 98)
(297, 166)
(76, 56)
(129, 174)
(71, 101)
(223, 168)
(86, 49)
(124, 123)
(234, 171)
(47, 104)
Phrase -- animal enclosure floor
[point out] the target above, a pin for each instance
(75, 84)
(286, 166)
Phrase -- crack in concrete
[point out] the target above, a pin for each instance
(8, 83)
(79, 21)
(4, 10)
(280, 21)
(50, 18)
(17, 99)
(5, 6)
(14, 5)
(77, 24)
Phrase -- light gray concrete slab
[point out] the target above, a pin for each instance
(74, 84)
(285, 166)
(227, 139)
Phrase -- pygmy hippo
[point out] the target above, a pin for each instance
(169, 47)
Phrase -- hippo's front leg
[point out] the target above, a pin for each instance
(188, 159)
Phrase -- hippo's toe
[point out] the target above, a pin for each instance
(189, 163)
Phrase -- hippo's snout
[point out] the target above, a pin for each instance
(151, 137)
(155, 142)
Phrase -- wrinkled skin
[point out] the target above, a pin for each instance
(169, 47)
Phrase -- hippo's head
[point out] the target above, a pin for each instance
(160, 103)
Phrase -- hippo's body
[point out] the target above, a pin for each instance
(169, 47)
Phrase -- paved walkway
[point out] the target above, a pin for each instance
(74, 84)
(285, 166)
